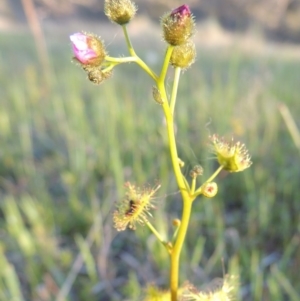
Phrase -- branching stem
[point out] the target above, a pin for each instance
(175, 88)
(157, 234)
(138, 60)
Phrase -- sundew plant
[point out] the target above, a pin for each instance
(134, 210)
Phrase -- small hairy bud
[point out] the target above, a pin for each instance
(97, 76)
(119, 11)
(88, 49)
(157, 96)
(193, 174)
(178, 26)
(181, 163)
(176, 222)
(184, 55)
(196, 171)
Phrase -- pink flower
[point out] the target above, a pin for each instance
(82, 49)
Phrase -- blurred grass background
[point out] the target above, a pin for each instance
(67, 147)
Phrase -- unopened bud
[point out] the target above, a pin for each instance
(176, 222)
(157, 96)
(193, 175)
(181, 163)
(97, 76)
(119, 11)
(183, 56)
(196, 171)
(209, 189)
(178, 26)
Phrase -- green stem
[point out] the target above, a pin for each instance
(138, 60)
(175, 254)
(119, 60)
(172, 145)
(187, 185)
(169, 120)
(181, 181)
(176, 232)
(156, 233)
(144, 66)
(128, 42)
(175, 88)
(193, 185)
(187, 201)
(212, 177)
(165, 66)
(109, 68)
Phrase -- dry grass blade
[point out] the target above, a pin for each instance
(290, 123)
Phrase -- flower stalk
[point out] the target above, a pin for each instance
(175, 89)
(138, 60)
(134, 209)
(176, 251)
